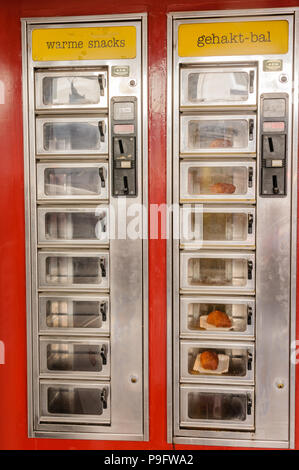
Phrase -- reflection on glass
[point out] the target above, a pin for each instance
(217, 272)
(68, 90)
(204, 87)
(68, 136)
(81, 181)
(217, 406)
(73, 270)
(198, 313)
(223, 227)
(74, 226)
(218, 134)
(75, 314)
(75, 357)
(74, 400)
(212, 180)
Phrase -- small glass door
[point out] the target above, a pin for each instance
(72, 226)
(218, 134)
(217, 181)
(218, 271)
(71, 90)
(72, 135)
(218, 86)
(73, 270)
(72, 181)
(207, 406)
(217, 317)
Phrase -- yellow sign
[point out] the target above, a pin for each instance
(113, 42)
(237, 38)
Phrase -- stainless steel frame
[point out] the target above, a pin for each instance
(129, 390)
(274, 425)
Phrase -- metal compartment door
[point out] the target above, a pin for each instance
(214, 227)
(215, 271)
(72, 181)
(221, 407)
(83, 314)
(68, 357)
(75, 402)
(195, 310)
(73, 270)
(68, 135)
(217, 181)
(218, 134)
(77, 89)
(217, 362)
(218, 86)
(73, 226)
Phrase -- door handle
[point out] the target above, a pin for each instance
(104, 354)
(251, 81)
(101, 127)
(103, 397)
(250, 223)
(250, 177)
(249, 404)
(103, 267)
(249, 315)
(250, 269)
(102, 178)
(101, 84)
(249, 361)
(103, 310)
(251, 129)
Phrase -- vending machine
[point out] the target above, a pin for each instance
(85, 146)
(232, 169)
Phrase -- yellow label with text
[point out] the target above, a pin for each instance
(112, 42)
(233, 38)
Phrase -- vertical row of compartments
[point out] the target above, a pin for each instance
(73, 245)
(217, 242)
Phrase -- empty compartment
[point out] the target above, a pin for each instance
(210, 226)
(71, 135)
(217, 362)
(73, 270)
(72, 181)
(71, 89)
(73, 225)
(217, 181)
(70, 402)
(75, 314)
(217, 317)
(218, 86)
(218, 134)
(83, 357)
(204, 406)
(222, 271)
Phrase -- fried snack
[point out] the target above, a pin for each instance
(221, 143)
(219, 319)
(223, 188)
(209, 360)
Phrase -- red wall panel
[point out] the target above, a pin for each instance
(13, 407)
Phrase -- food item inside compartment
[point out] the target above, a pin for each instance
(221, 143)
(219, 319)
(209, 360)
(223, 188)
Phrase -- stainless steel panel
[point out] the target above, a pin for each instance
(73, 226)
(71, 270)
(218, 134)
(218, 86)
(75, 89)
(76, 358)
(74, 402)
(217, 271)
(70, 135)
(240, 310)
(73, 314)
(235, 362)
(216, 227)
(208, 406)
(214, 181)
(72, 181)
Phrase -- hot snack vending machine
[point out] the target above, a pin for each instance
(232, 169)
(85, 136)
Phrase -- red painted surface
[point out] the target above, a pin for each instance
(13, 408)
